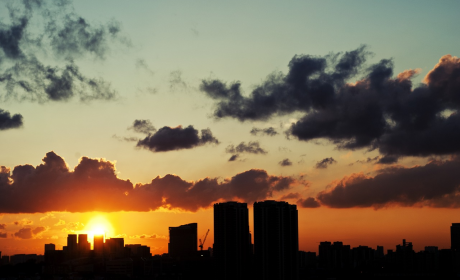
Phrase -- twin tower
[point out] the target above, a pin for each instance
(276, 241)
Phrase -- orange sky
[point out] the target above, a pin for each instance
(133, 117)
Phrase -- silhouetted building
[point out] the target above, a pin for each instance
(98, 244)
(50, 247)
(84, 246)
(139, 251)
(232, 241)
(114, 247)
(455, 236)
(183, 241)
(71, 250)
(276, 240)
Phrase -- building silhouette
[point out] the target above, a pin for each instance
(183, 241)
(455, 236)
(84, 246)
(276, 240)
(232, 240)
(98, 243)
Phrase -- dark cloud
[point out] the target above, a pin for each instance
(388, 159)
(253, 147)
(176, 138)
(94, 186)
(437, 184)
(378, 111)
(143, 126)
(324, 163)
(285, 162)
(3, 235)
(2, 226)
(73, 37)
(233, 157)
(26, 77)
(7, 121)
(267, 131)
(309, 202)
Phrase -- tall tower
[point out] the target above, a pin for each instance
(276, 240)
(183, 241)
(232, 241)
(455, 236)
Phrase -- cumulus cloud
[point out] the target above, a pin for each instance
(176, 138)
(285, 162)
(93, 185)
(143, 126)
(436, 184)
(324, 163)
(7, 121)
(2, 226)
(309, 202)
(33, 25)
(3, 235)
(270, 131)
(379, 111)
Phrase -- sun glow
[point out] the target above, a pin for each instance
(98, 225)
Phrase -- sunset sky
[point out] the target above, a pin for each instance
(128, 117)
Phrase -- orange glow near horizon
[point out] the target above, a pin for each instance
(98, 225)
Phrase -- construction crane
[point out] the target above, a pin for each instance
(204, 240)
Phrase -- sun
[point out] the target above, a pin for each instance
(98, 225)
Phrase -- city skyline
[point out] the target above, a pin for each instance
(130, 118)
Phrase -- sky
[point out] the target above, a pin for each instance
(130, 117)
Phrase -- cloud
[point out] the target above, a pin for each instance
(23, 222)
(143, 126)
(3, 235)
(176, 81)
(38, 230)
(141, 64)
(7, 121)
(253, 147)
(60, 223)
(267, 131)
(290, 196)
(2, 226)
(176, 138)
(285, 162)
(378, 111)
(233, 157)
(36, 28)
(324, 163)
(24, 233)
(309, 202)
(93, 185)
(435, 184)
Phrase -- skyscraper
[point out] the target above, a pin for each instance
(83, 245)
(98, 244)
(276, 240)
(72, 246)
(455, 236)
(183, 241)
(232, 241)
